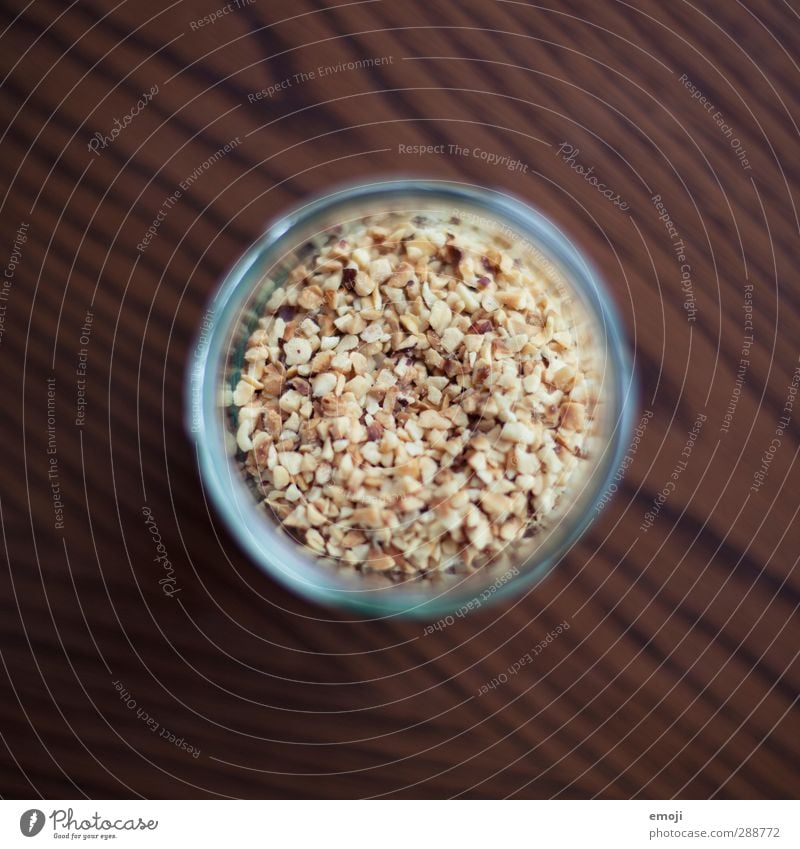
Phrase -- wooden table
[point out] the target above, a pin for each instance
(679, 673)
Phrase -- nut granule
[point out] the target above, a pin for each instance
(413, 399)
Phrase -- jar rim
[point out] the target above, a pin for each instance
(204, 425)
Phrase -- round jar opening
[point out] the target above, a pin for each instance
(412, 394)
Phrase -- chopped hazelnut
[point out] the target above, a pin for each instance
(414, 398)
(323, 384)
(297, 350)
(440, 316)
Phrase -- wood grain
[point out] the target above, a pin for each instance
(679, 674)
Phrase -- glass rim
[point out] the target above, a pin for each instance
(205, 356)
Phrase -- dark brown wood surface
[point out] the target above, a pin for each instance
(679, 673)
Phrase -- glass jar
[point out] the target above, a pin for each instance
(233, 313)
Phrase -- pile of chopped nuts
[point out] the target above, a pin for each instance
(413, 399)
